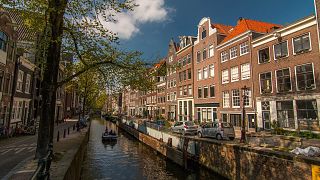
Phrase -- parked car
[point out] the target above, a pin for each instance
(218, 130)
(184, 127)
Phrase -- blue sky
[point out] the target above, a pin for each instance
(155, 22)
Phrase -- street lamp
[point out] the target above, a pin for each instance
(243, 127)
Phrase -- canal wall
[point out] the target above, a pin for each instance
(231, 160)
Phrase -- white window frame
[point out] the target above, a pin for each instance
(205, 72)
(199, 74)
(300, 36)
(274, 52)
(225, 79)
(242, 71)
(224, 54)
(28, 82)
(211, 51)
(276, 78)
(170, 58)
(225, 99)
(233, 106)
(243, 46)
(234, 49)
(295, 74)
(20, 81)
(270, 80)
(211, 70)
(232, 74)
(249, 96)
(259, 55)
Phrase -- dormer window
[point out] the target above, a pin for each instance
(204, 33)
(3, 41)
(184, 42)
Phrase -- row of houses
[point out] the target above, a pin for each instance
(20, 75)
(275, 67)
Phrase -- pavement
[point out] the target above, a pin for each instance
(16, 150)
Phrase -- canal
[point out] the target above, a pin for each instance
(127, 158)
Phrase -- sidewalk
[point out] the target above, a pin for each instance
(64, 153)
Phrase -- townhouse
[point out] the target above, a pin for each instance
(8, 38)
(236, 71)
(161, 84)
(206, 81)
(184, 78)
(286, 65)
(171, 90)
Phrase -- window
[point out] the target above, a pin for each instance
(188, 58)
(225, 76)
(301, 44)
(245, 71)
(27, 86)
(233, 52)
(189, 73)
(180, 91)
(305, 77)
(307, 109)
(184, 61)
(205, 92)
(198, 56)
(283, 80)
(168, 97)
(224, 56)
(7, 83)
(189, 90)
(212, 93)
(265, 83)
(199, 74)
(244, 48)
(211, 70)
(170, 58)
(234, 74)
(281, 50)
(203, 34)
(211, 51)
(204, 54)
(247, 102)
(199, 92)
(264, 55)
(235, 98)
(225, 99)
(184, 90)
(235, 120)
(285, 113)
(205, 72)
(3, 41)
(20, 80)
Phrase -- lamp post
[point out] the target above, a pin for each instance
(243, 127)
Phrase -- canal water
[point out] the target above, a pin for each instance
(127, 158)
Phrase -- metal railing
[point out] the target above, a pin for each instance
(43, 170)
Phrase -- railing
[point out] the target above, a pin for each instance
(43, 170)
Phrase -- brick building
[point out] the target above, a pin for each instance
(286, 65)
(184, 78)
(161, 85)
(8, 39)
(235, 66)
(206, 81)
(171, 90)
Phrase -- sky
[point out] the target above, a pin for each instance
(153, 23)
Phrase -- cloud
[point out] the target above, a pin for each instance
(127, 23)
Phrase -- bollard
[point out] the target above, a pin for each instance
(64, 133)
(58, 136)
(68, 130)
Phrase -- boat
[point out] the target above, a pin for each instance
(109, 137)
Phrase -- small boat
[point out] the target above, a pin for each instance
(109, 137)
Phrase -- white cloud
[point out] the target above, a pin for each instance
(127, 23)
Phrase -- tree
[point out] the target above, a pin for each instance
(76, 27)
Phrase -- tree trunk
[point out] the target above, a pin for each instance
(53, 38)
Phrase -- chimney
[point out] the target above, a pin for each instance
(239, 20)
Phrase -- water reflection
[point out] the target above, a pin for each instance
(127, 158)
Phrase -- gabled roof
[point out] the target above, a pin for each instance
(159, 64)
(221, 28)
(24, 33)
(244, 25)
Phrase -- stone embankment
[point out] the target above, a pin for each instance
(227, 158)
